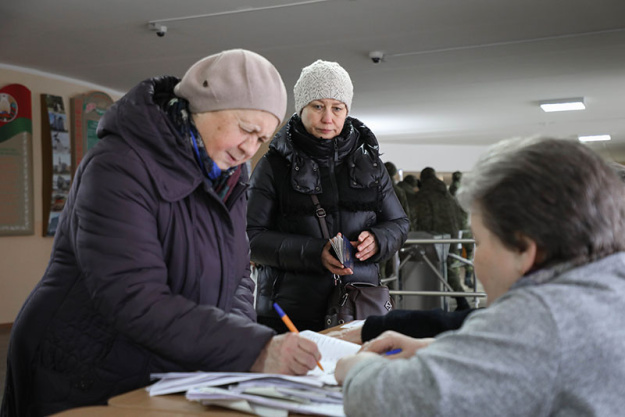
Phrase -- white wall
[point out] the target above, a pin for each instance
(443, 158)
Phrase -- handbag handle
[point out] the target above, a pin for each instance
(321, 216)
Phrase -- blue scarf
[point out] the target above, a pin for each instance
(221, 181)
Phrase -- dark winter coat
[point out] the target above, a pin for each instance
(149, 272)
(285, 236)
(437, 211)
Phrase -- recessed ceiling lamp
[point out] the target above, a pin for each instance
(594, 138)
(565, 104)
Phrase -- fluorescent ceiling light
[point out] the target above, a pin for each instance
(594, 138)
(566, 104)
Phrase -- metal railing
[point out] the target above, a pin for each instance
(413, 251)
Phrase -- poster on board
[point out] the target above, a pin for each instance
(56, 153)
(16, 175)
(86, 111)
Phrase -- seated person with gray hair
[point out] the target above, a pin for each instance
(548, 217)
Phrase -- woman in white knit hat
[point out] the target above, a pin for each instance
(320, 152)
(150, 265)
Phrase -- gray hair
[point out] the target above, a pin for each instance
(557, 192)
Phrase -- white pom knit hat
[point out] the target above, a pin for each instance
(323, 79)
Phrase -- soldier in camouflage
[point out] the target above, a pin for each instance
(437, 211)
(456, 179)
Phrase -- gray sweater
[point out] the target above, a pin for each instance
(554, 345)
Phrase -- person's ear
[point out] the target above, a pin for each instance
(527, 257)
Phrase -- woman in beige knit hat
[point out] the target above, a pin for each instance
(322, 171)
(150, 265)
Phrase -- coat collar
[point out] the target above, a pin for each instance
(356, 145)
(140, 121)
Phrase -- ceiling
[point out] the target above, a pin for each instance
(454, 71)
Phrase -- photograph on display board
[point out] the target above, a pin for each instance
(57, 153)
(86, 111)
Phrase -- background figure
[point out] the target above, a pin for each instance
(438, 212)
(456, 179)
(149, 269)
(410, 185)
(386, 268)
(401, 193)
(320, 151)
(549, 217)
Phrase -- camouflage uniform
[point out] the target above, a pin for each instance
(468, 247)
(437, 211)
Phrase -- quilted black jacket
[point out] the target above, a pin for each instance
(285, 236)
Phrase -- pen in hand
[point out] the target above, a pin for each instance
(289, 324)
(392, 352)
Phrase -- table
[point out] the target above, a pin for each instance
(138, 403)
(140, 400)
(104, 411)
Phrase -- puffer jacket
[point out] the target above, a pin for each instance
(285, 236)
(149, 272)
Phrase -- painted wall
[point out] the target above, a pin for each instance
(23, 259)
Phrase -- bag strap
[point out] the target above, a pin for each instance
(321, 216)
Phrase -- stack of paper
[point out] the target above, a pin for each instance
(273, 397)
(267, 395)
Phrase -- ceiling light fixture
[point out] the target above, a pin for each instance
(565, 104)
(594, 138)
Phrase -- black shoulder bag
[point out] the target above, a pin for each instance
(354, 300)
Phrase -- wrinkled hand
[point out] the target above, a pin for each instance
(288, 354)
(390, 340)
(350, 334)
(332, 264)
(366, 246)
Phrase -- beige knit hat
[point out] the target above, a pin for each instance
(323, 79)
(234, 79)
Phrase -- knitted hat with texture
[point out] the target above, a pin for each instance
(323, 80)
(233, 79)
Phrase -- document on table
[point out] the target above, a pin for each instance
(331, 349)
(173, 382)
(267, 400)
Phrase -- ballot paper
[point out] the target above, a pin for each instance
(173, 382)
(343, 249)
(217, 396)
(331, 349)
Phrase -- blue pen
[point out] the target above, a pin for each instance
(392, 352)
